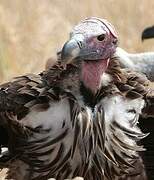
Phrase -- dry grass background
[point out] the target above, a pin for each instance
(32, 30)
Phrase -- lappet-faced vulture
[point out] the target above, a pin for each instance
(80, 117)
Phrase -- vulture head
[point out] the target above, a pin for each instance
(148, 33)
(92, 43)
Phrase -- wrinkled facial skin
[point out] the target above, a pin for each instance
(96, 40)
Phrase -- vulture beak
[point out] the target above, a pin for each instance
(71, 49)
(148, 33)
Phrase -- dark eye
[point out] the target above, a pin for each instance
(101, 37)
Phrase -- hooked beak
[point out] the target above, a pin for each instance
(72, 49)
(148, 33)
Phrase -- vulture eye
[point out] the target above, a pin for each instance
(101, 37)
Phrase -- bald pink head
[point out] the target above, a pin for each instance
(93, 41)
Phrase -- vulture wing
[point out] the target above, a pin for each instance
(149, 107)
(13, 99)
(146, 123)
(144, 62)
(140, 62)
(35, 120)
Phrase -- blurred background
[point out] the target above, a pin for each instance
(31, 31)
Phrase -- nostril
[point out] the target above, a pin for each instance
(80, 44)
(115, 41)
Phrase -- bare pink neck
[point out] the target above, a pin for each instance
(92, 72)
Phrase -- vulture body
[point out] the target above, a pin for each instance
(80, 117)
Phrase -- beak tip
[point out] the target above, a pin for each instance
(70, 50)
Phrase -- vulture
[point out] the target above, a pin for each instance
(80, 117)
(148, 33)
